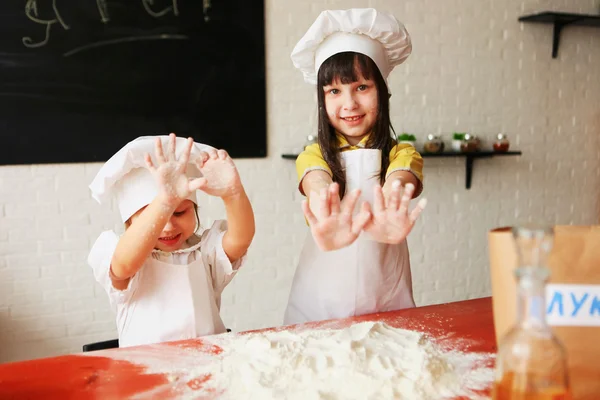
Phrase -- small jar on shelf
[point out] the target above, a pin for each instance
(501, 144)
(469, 144)
(433, 144)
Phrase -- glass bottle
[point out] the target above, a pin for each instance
(531, 362)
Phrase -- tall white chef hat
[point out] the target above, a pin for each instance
(373, 33)
(126, 178)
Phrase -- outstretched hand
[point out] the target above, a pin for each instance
(391, 221)
(170, 172)
(221, 177)
(335, 226)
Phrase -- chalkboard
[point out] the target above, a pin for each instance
(81, 78)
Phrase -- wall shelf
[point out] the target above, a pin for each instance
(469, 159)
(560, 20)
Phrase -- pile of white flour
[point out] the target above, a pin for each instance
(370, 360)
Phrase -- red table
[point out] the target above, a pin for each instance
(109, 375)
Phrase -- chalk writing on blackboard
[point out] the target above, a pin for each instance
(32, 13)
(148, 4)
(107, 71)
(205, 9)
(103, 10)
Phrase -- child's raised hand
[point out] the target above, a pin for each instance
(221, 177)
(173, 184)
(335, 227)
(391, 222)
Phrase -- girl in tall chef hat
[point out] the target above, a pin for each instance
(163, 280)
(354, 261)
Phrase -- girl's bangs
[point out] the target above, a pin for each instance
(348, 67)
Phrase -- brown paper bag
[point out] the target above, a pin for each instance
(573, 298)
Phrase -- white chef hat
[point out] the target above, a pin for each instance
(126, 177)
(367, 31)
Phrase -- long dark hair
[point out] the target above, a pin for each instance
(348, 67)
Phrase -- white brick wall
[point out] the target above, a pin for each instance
(474, 68)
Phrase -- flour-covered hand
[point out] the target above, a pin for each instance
(221, 177)
(332, 223)
(392, 222)
(170, 172)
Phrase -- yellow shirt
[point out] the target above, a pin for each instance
(403, 157)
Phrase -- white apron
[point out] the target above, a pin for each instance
(170, 302)
(174, 295)
(363, 278)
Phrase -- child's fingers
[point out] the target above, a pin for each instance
(212, 153)
(350, 202)
(222, 154)
(172, 144)
(308, 214)
(414, 215)
(361, 219)
(149, 162)
(378, 201)
(202, 158)
(185, 156)
(334, 196)
(406, 197)
(197, 184)
(394, 200)
(158, 150)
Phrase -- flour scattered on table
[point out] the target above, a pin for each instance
(370, 360)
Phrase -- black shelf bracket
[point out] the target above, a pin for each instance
(468, 172)
(559, 20)
(556, 38)
(469, 159)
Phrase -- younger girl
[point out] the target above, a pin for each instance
(164, 281)
(354, 264)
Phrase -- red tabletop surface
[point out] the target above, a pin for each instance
(123, 373)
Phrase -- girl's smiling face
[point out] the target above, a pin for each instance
(352, 107)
